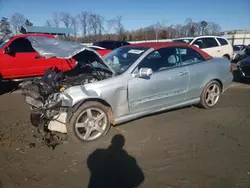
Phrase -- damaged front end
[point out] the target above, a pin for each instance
(45, 103)
(46, 95)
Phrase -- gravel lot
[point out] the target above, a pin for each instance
(185, 148)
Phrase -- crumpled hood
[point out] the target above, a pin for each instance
(51, 47)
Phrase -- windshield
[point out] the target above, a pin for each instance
(236, 48)
(183, 40)
(4, 42)
(122, 58)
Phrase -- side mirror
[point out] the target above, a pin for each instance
(196, 45)
(143, 72)
(7, 50)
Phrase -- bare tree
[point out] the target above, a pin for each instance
(100, 22)
(5, 31)
(48, 23)
(189, 28)
(66, 18)
(93, 23)
(178, 30)
(110, 24)
(16, 21)
(74, 25)
(89, 23)
(157, 29)
(28, 23)
(83, 20)
(203, 25)
(212, 28)
(56, 19)
(119, 27)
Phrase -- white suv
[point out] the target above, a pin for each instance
(214, 45)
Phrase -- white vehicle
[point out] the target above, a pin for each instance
(215, 46)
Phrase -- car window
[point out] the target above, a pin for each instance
(199, 42)
(171, 57)
(189, 56)
(122, 58)
(236, 48)
(161, 59)
(108, 45)
(222, 41)
(183, 40)
(209, 42)
(4, 42)
(21, 45)
(206, 42)
(243, 47)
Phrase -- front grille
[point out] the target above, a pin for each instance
(246, 70)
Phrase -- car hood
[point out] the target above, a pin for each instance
(51, 47)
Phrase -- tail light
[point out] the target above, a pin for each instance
(231, 68)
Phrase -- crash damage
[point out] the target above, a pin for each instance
(44, 95)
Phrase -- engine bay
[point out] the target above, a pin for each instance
(54, 79)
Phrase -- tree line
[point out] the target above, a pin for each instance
(89, 27)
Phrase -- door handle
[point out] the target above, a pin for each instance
(183, 73)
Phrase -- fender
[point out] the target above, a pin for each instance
(74, 108)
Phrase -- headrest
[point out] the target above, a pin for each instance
(173, 59)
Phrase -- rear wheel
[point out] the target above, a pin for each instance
(210, 95)
(89, 122)
(227, 57)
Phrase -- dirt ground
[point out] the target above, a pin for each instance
(185, 148)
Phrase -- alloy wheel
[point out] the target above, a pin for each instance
(91, 124)
(212, 95)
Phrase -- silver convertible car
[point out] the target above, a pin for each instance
(127, 83)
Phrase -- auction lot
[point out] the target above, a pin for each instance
(189, 147)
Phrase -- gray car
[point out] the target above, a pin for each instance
(136, 80)
(239, 51)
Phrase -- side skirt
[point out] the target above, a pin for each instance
(152, 111)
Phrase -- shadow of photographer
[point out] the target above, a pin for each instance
(114, 167)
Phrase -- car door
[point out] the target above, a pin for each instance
(209, 45)
(225, 47)
(198, 71)
(166, 86)
(24, 61)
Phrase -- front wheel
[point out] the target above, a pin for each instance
(210, 95)
(89, 122)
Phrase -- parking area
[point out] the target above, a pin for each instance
(188, 147)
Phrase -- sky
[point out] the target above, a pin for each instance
(229, 14)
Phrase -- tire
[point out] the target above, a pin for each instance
(227, 57)
(90, 123)
(204, 102)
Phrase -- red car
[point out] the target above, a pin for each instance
(102, 51)
(18, 60)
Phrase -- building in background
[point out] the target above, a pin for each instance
(237, 37)
(46, 30)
